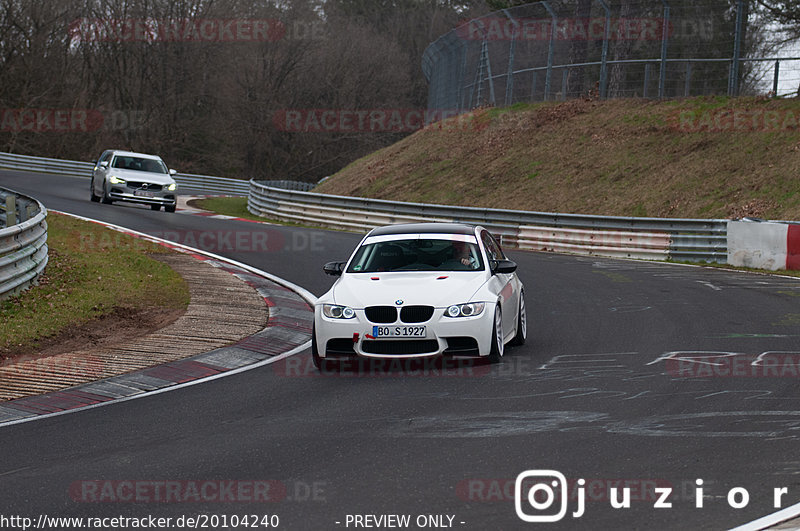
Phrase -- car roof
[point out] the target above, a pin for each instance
(424, 228)
(134, 154)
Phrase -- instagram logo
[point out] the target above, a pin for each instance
(535, 488)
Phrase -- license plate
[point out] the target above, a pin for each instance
(398, 331)
(144, 193)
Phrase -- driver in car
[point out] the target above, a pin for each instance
(462, 254)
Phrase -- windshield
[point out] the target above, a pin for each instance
(416, 255)
(139, 164)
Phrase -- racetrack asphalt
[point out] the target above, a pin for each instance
(635, 374)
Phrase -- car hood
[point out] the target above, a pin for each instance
(142, 176)
(359, 290)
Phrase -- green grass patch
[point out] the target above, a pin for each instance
(92, 272)
(227, 206)
(237, 207)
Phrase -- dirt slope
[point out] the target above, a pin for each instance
(709, 157)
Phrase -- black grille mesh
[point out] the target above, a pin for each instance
(416, 314)
(381, 314)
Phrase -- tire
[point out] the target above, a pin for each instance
(169, 208)
(94, 198)
(155, 207)
(522, 323)
(496, 352)
(106, 200)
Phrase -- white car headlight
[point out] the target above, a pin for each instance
(470, 309)
(334, 311)
(172, 187)
(116, 180)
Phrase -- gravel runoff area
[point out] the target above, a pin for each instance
(223, 309)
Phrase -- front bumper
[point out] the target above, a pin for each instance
(120, 193)
(448, 336)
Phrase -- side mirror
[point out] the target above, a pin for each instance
(503, 266)
(172, 172)
(104, 164)
(334, 268)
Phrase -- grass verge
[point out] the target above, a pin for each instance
(237, 207)
(227, 206)
(93, 272)
(707, 157)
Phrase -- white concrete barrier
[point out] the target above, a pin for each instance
(762, 245)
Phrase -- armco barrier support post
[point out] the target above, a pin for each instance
(11, 210)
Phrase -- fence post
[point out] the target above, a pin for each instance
(604, 54)
(688, 86)
(510, 71)
(775, 80)
(461, 93)
(662, 73)
(489, 77)
(479, 77)
(550, 51)
(484, 61)
(733, 82)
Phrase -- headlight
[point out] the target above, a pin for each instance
(172, 187)
(465, 310)
(115, 180)
(337, 312)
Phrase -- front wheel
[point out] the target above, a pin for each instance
(155, 207)
(522, 323)
(106, 199)
(496, 352)
(94, 198)
(169, 208)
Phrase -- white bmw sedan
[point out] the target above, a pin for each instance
(420, 290)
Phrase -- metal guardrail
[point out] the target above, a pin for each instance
(207, 184)
(187, 182)
(11, 161)
(23, 242)
(695, 240)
